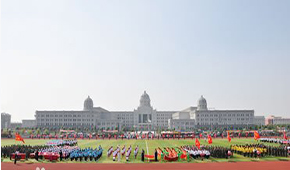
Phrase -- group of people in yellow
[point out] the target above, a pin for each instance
(254, 150)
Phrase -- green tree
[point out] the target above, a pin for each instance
(29, 132)
(46, 131)
(37, 131)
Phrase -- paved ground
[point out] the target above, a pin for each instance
(279, 165)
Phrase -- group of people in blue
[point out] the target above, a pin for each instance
(86, 154)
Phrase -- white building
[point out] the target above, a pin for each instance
(14, 125)
(201, 116)
(28, 123)
(183, 120)
(144, 117)
(259, 120)
(5, 120)
(273, 120)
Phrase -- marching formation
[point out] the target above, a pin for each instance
(118, 152)
(62, 142)
(275, 140)
(55, 150)
(195, 153)
(86, 154)
(260, 150)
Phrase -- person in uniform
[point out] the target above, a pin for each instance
(156, 155)
(136, 151)
(114, 155)
(16, 156)
(142, 155)
(60, 155)
(36, 155)
(119, 156)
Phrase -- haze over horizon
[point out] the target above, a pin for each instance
(56, 53)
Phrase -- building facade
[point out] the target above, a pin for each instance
(259, 120)
(273, 120)
(28, 123)
(144, 117)
(14, 125)
(201, 116)
(5, 120)
(182, 120)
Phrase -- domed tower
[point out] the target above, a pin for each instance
(145, 100)
(88, 104)
(202, 105)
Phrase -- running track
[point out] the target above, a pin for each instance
(279, 165)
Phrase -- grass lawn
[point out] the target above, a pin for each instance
(152, 144)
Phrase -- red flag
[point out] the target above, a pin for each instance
(229, 137)
(18, 137)
(197, 143)
(284, 135)
(256, 135)
(209, 139)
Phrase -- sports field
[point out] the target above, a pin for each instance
(149, 146)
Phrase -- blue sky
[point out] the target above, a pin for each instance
(56, 53)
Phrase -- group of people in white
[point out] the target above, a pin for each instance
(275, 140)
(118, 152)
(196, 153)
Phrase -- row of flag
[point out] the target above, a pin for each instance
(197, 143)
(209, 138)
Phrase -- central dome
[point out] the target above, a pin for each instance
(202, 104)
(145, 100)
(88, 104)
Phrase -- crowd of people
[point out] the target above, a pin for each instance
(260, 150)
(86, 154)
(65, 150)
(195, 152)
(118, 152)
(62, 143)
(219, 151)
(6, 151)
(275, 140)
(56, 151)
